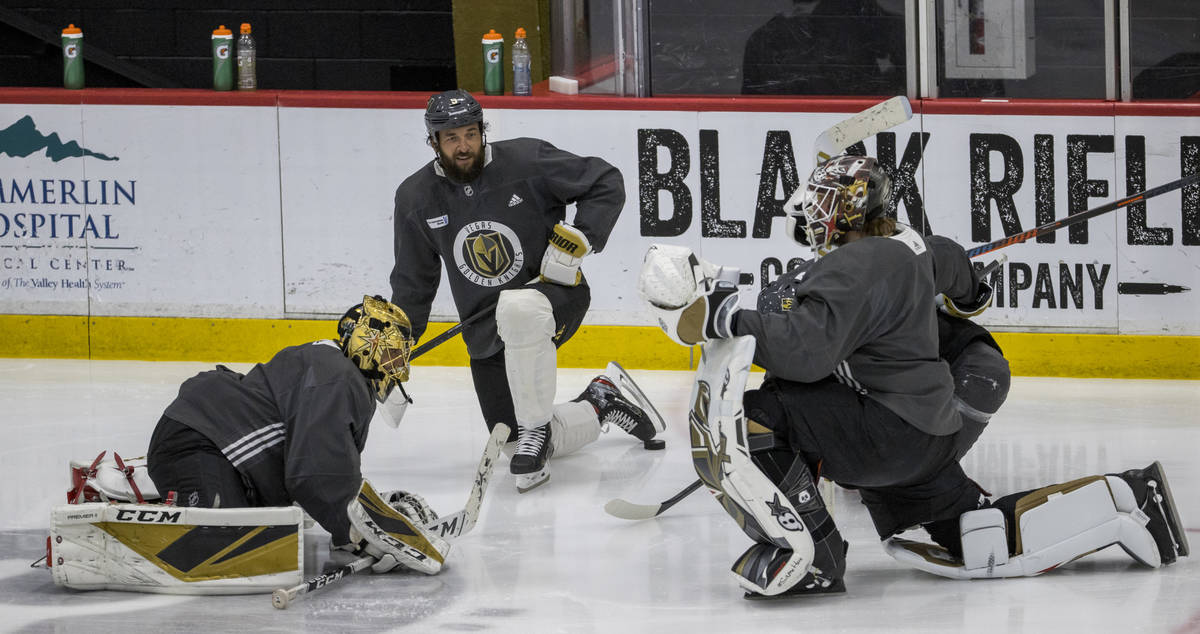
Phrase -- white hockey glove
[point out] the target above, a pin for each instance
(693, 300)
(969, 309)
(561, 262)
(391, 537)
(410, 505)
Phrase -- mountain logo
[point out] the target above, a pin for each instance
(23, 139)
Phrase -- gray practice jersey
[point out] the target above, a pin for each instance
(490, 234)
(864, 314)
(293, 426)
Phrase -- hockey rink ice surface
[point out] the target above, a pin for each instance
(552, 560)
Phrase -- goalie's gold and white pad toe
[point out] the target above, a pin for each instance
(1056, 525)
(391, 537)
(175, 550)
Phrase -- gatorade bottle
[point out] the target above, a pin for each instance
(522, 81)
(72, 49)
(247, 74)
(222, 47)
(493, 63)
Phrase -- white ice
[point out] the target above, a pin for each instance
(551, 560)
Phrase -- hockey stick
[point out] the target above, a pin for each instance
(458, 523)
(630, 511)
(868, 123)
(452, 332)
(452, 525)
(1081, 216)
(283, 596)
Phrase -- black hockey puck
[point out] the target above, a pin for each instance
(654, 444)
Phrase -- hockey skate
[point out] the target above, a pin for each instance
(634, 414)
(1153, 496)
(530, 461)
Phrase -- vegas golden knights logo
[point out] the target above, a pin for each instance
(489, 253)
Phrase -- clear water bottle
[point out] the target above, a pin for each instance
(247, 79)
(522, 80)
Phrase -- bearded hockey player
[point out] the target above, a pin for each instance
(856, 392)
(493, 215)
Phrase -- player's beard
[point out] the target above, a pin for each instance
(462, 175)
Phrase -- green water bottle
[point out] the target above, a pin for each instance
(493, 63)
(72, 47)
(222, 45)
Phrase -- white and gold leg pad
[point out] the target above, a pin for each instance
(176, 550)
(1056, 525)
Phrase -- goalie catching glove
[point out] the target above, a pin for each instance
(388, 528)
(568, 246)
(693, 300)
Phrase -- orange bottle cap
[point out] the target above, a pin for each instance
(221, 30)
(245, 27)
(72, 30)
(492, 35)
(520, 32)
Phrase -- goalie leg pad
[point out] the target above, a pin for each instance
(722, 459)
(525, 322)
(176, 550)
(391, 537)
(1055, 525)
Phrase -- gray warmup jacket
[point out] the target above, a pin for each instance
(490, 234)
(864, 314)
(293, 426)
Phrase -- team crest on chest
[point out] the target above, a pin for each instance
(488, 253)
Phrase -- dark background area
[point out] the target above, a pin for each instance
(301, 44)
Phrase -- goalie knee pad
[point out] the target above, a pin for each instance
(391, 537)
(1053, 526)
(525, 322)
(176, 550)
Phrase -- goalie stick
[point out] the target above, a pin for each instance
(459, 523)
(453, 525)
(868, 123)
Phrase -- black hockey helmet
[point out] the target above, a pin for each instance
(451, 109)
(842, 194)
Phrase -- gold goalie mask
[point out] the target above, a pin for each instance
(377, 336)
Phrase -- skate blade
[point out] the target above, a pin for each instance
(529, 481)
(1177, 529)
(627, 385)
(838, 587)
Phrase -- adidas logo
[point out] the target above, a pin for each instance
(515, 200)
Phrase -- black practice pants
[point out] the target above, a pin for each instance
(185, 461)
(906, 476)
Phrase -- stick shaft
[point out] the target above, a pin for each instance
(452, 332)
(282, 597)
(1055, 225)
(459, 523)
